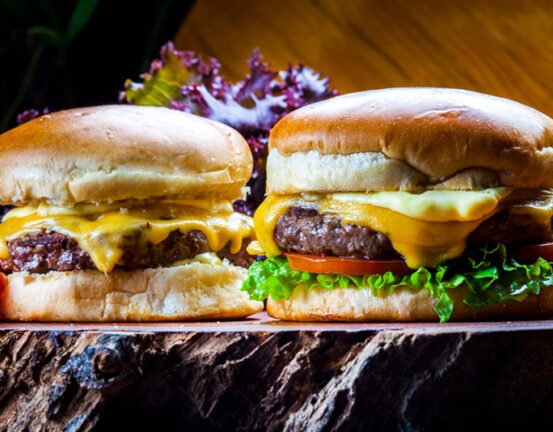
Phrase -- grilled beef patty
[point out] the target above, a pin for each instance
(304, 230)
(44, 252)
(511, 228)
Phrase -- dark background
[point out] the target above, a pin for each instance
(59, 54)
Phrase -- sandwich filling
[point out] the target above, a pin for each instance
(385, 240)
(426, 229)
(122, 235)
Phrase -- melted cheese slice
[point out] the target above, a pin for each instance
(432, 205)
(426, 228)
(101, 231)
(536, 210)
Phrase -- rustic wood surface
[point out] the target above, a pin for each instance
(263, 375)
(261, 322)
(502, 47)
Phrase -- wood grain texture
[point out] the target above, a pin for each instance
(412, 378)
(501, 47)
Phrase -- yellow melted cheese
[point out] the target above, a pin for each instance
(536, 210)
(101, 230)
(432, 205)
(426, 229)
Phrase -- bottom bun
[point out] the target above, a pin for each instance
(192, 291)
(351, 304)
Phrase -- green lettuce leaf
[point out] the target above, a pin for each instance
(488, 273)
(162, 84)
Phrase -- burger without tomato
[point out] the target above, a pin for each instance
(123, 213)
(407, 204)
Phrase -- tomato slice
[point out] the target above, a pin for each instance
(349, 266)
(530, 253)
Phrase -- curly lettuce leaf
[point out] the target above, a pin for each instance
(488, 273)
(174, 70)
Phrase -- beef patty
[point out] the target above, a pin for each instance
(511, 228)
(44, 252)
(304, 230)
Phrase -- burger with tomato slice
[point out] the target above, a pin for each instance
(407, 204)
(123, 213)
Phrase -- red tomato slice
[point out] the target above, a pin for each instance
(349, 266)
(530, 253)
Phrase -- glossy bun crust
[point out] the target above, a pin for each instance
(430, 135)
(121, 152)
(404, 305)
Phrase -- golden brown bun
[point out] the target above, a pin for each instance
(121, 152)
(433, 133)
(352, 304)
(194, 291)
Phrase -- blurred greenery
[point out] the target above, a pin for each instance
(64, 53)
(54, 34)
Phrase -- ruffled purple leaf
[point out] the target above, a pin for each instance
(30, 114)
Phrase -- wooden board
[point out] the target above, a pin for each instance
(261, 322)
(266, 375)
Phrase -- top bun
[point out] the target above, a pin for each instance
(121, 152)
(412, 138)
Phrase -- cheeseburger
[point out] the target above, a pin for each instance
(123, 213)
(407, 204)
